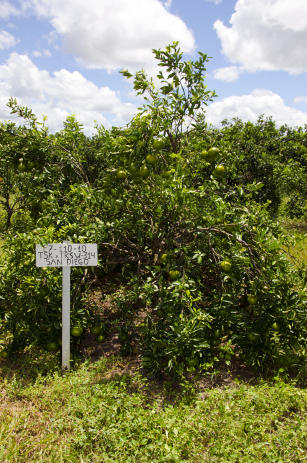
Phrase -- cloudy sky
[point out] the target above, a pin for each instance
(62, 57)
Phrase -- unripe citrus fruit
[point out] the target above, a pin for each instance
(212, 154)
(21, 167)
(219, 171)
(174, 274)
(225, 265)
(76, 331)
(204, 154)
(133, 168)
(251, 299)
(100, 338)
(52, 346)
(151, 159)
(96, 330)
(158, 144)
(121, 174)
(164, 258)
(275, 326)
(143, 171)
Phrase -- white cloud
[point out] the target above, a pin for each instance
(59, 94)
(249, 107)
(112, 34)
(7, 9)
(228, 74)
(38, 53)
(7, 40)
(168, 4)
(266, 35)
(300, 99)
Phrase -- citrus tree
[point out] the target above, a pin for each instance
(173, 102)
(194, 248)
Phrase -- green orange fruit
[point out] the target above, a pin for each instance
(52, 346)
(143, 171)
(151, 159)
(96, 330)
(174, 274)
(251, 299)
(219, 171)
(213, 152)
(21, 167)
(76, 331)
(225, 266)
(211, 155)
(121, 174)
(133, 169)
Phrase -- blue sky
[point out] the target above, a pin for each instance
(62, 57)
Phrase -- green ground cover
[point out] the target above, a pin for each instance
(101, 412)
(298, 251)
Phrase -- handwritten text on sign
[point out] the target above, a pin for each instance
(66, 255)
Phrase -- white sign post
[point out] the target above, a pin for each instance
(66, 255)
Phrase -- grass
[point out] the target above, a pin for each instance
(298, 252)
(99, 412)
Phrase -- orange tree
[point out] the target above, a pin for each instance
(35, 164)
(198, 258)
(264, 153)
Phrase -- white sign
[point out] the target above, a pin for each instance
(66, 255)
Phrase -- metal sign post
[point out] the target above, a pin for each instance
(66, 255)
(65, 318)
